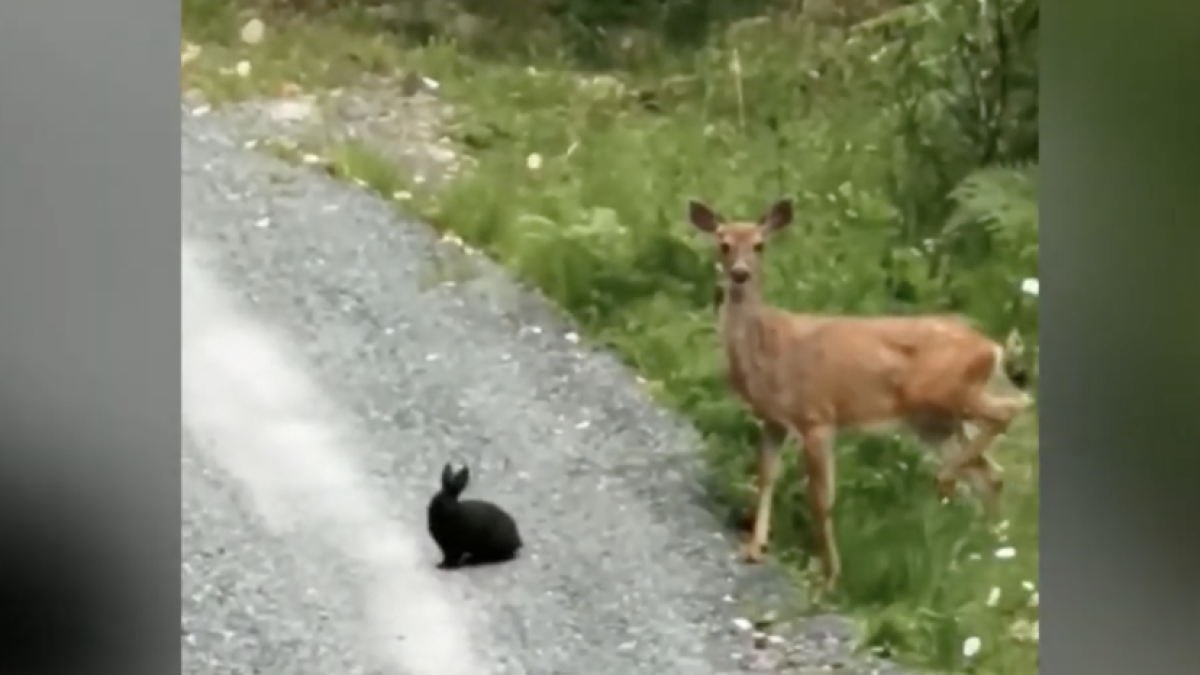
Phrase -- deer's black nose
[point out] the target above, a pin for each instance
(739, 274)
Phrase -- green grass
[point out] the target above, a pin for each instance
(599, 227)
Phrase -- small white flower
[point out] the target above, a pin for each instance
(971, 646)
(1006, 552)
(242, 69)
(1025, 630)
(993, 597)
(402, 195)
(1034, 599)
(253, 31)
(533, 162)
(1030, 286)
(1029, 586)
(188, 53)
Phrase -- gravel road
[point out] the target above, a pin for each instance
(326, 381)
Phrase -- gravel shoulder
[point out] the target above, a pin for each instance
(625, 569)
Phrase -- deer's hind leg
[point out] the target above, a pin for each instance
(992, 415)
(769, 459)
(987, 478)
(949, 437)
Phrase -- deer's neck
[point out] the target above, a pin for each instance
(741, 311)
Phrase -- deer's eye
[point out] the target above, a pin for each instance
(758, 247)
(724, 247)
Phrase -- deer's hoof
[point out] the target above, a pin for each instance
(752, 552)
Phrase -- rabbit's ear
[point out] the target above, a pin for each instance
(454, 482)
(462, 478)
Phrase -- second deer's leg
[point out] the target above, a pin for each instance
(769, 443)
(822, 487)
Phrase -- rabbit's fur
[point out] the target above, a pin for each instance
(469, 531)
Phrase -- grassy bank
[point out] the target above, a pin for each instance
(579, 187)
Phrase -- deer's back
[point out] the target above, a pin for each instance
(851, 371)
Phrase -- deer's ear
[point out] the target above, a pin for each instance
(777, 217)
(702, 217)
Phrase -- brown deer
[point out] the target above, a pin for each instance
(812, 375)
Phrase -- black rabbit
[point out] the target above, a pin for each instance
(469, 532)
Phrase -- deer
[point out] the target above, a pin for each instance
(809, 376)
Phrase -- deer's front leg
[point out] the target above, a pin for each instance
(769, 459)
(822, 489)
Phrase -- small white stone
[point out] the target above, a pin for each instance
(743, 625)
(291, 110)
(310, 158)
(572, 337)
(263, 222)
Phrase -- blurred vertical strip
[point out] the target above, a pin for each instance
(88, 367)
(1120, 433)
